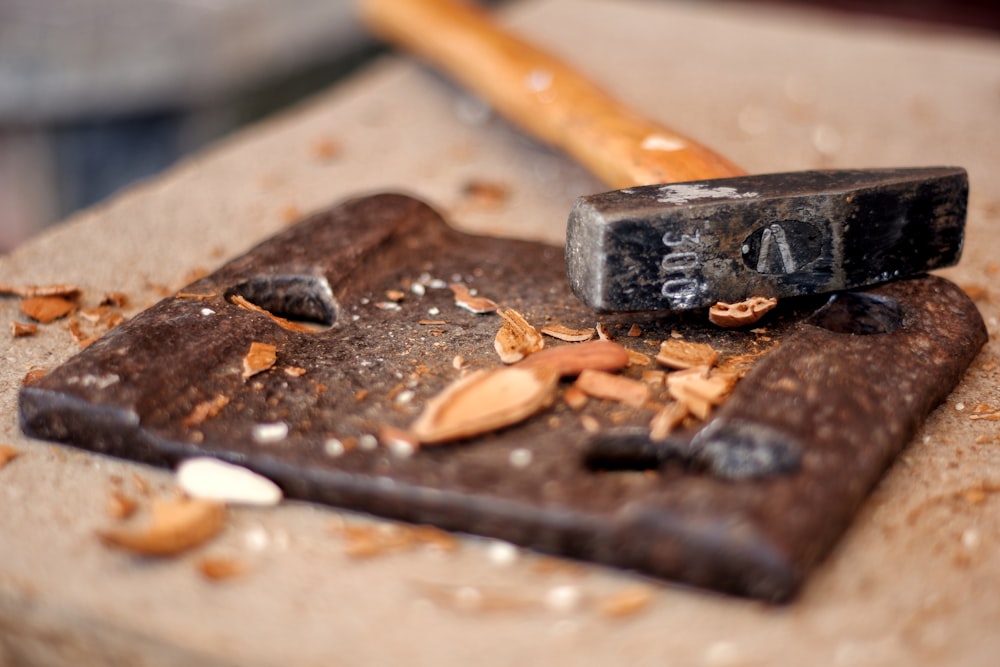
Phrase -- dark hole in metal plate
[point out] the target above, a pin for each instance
(859, 314)
(728, 449)
(297, 297)
(737, 449)
(631, 449)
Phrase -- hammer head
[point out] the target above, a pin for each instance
(689, 245)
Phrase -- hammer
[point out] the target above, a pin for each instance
(687, 228)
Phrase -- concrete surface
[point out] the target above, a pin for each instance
(916, 581)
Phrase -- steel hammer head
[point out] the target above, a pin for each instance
(689, 245)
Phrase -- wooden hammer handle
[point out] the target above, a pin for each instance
(543, 95)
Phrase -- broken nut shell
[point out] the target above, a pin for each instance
(571, 360)
(732, 315)
(485, 401)
(516, 339)
(608, 386)
(681, 354)
(176, 526)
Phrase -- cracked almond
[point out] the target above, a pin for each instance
(485, 401)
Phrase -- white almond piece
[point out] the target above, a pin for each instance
(211, 479)
(271, 432)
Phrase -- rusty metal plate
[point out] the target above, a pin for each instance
(849, 395)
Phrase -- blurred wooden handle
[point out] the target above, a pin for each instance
(543, 95)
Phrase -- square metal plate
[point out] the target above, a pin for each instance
(169, 384)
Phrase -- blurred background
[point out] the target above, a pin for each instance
(98, 94)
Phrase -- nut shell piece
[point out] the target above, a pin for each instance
(744, 313)
(516, 339)
(484, 401)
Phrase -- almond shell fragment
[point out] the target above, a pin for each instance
(7, 454)
(567, 334)
(474, 304)
(744, 313)
(28, 291)
(516, 339)
(571, 360)
(699, 390)
(260, 357)
(681, 354)
(45, 309)
(177, 526)
(23, 329)
(485, 401)
(608, 386)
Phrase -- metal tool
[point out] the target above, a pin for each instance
(690, 245)
(707, 232)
